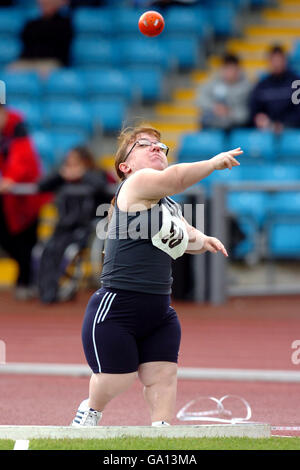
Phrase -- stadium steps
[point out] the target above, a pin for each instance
(253, 49)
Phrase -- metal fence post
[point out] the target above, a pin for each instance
(218, 282)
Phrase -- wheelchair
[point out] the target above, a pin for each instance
(80, 266)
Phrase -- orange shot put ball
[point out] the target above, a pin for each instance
(151, 23)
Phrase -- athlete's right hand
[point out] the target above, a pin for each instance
(226, 159)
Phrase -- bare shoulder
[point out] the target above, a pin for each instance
(130, 198)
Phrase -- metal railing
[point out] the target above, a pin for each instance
(220, 289)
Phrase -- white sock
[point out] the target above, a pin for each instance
(160, 423)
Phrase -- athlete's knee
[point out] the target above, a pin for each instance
(158, 373)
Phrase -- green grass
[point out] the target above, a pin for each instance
(133, 443)
(6, 445)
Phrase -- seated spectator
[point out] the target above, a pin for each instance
(224, 99)
(271, 103)
(46, 40)
(18, 214)
(79, 189)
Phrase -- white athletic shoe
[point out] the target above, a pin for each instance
(86, 416)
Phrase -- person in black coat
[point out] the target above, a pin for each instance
(271, 104)
(46, 40)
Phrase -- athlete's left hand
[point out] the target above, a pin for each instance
(214, 245)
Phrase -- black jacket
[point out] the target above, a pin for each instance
(273, 96)
(48, 38)
(77, 201)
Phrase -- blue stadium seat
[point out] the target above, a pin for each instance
(9, 51)
(249, 245)
(201, 145)
(45, 148)
(223, 19)
(108, 82)
(284, 239)
(126, 21)
(147, 81)
(92, 52)
(93, 23)
(11, 22)
(270, 173)
(31, 110)
(22, 85)
(64, 141)
(64, 84)
(109, 114)
(69, 116)
(256, 144)
(146, 51)
(220, 177)
(289, 145)
(186, 21)
(284, 203)
(252, 204)
(185, 51)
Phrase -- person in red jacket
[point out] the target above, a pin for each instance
(19, 163)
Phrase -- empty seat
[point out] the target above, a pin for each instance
(284, 239)
(45, 148)
(9, 51)
(108, 82)
(31, 111)
(92, 52)
(284, 203)
(146, 51)
(65, 83)
(252, 204)
(109, 114)
(256, 144)
(249, 246)
(289, 145)
(223, 19)
(201, 145)
(269, 173)
(11, 22)
(22, 85)
(93, 22)
(147, 81)
(187, 20)
(68, 116)
(185, 51)
(126, 21)
(64, 141)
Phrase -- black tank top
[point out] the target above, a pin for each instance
(140, 246)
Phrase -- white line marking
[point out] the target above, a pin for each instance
(21, 444)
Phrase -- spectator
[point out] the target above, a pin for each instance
(271, 99)
(18, 214)
(80, 188)
(224, 99)
(46, 39)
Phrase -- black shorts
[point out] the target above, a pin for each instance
(123, 329)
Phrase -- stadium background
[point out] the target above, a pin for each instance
(118, 76)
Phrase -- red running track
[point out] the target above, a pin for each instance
(252, 333)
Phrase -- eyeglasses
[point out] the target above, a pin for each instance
(147, 143)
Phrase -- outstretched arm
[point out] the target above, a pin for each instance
(149, 184)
